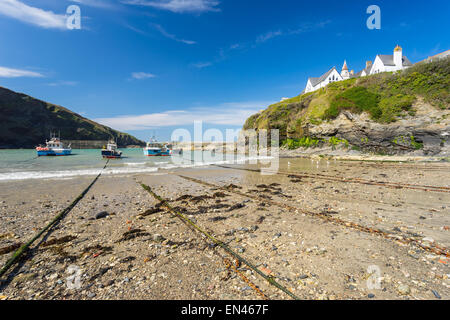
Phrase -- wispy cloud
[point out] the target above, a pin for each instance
(179, 6)
(142, 75)
(224, 53)
(63, 83)
(232, 114)
(172, 36)
(269, 35)
(103, 4)
(307, 27)
(137, 30)
(201, 65)
(17, 73)
(32, 15)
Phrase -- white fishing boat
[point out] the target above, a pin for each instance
(53, 147)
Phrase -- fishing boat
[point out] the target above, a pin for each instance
(156, 149)
(110, 151)
(53, 147)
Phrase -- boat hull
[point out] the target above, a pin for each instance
(156, 153)
(107, 154)
(53, 152)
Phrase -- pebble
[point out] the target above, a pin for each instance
(371, 296)
(101, 215)
(404, 289)
(240, 249)
(428, 239)
(158, 237)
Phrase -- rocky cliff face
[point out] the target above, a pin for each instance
(425, 133)
(389, 113)
(26, 122)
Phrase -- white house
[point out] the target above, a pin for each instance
(382, 63)
(332, 75)
(389, 63)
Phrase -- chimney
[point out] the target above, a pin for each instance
(398, 57)
(368, 64)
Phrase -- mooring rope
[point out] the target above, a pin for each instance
(269, 279)
(23, 161)
(394, 185)
(230, 265)
(434, 248)
(15, 257)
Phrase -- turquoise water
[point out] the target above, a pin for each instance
(24, 164)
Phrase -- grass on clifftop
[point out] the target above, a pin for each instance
(385, 97)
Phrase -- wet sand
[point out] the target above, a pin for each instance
(139, 252)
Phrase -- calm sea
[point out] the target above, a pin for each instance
(24, 164)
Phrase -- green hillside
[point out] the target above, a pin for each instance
(386, 97)
(26, 122)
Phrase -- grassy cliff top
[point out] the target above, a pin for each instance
(385, 97)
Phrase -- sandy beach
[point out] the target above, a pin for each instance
(308, 227)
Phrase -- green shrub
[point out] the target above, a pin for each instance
(305, 142)
(335, 141)
(356, 99)
(391, 107)
(415, 144)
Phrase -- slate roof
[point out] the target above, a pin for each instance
(316, 81)
(388, 60)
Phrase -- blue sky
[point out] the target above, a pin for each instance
(156, 65)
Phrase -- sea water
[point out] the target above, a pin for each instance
(24, 164)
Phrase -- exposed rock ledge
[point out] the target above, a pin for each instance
(426, 133)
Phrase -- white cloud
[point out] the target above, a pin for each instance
(104, 4)
(224, 53)
(307, 27)
(179, 6)
(142, 75)
(17, 73)
(137, 30)
(63, 83)
(20, 11)
(268, 36)
(172, 36)
(201, 65)
(232, 114)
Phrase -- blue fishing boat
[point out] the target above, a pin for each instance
(53, 147)
(110, 151)
(156, 149)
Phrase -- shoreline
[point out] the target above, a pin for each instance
(140, 251)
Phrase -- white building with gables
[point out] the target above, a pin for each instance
(382, 63)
